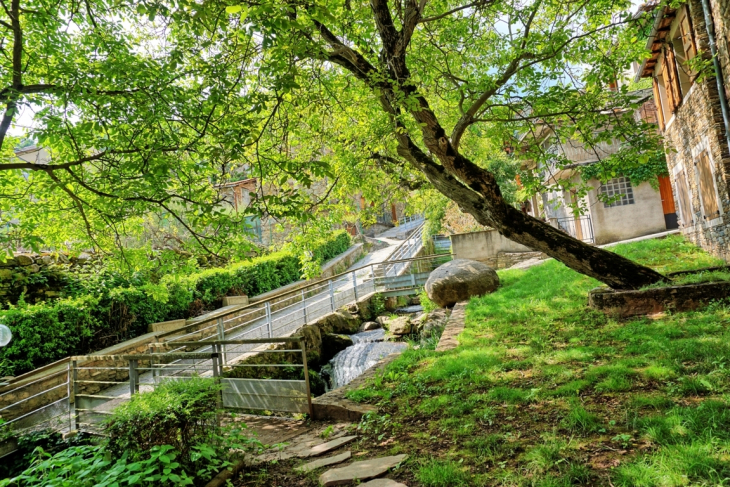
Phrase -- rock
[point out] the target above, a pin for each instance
(383, 483)
(459, 280)
(6, 274)
(23, 259)
(47, 260)
(370, 325)
(382, 320)
(9, 263)
(332, 344)
(399, 326)
(364, 470)
(339, 322)
(83, 258)
(318, 450)
(61, 258)
(353, 309)
(34, 268)
(324, 462)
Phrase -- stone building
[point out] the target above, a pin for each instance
(611, 211)
(693, 114)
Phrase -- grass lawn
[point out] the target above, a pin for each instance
(543, 391)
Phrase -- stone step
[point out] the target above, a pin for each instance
(363, 470)
(324, 462)
(315, 451)
(382, 483)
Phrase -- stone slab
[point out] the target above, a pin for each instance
(324, 462)
(315, 451)
(235, 301)
(453, 329)
(166, 325)
(363, 470)
(383, 483)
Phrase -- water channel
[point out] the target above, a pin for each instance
(368, 347)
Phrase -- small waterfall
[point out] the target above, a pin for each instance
(368, 348)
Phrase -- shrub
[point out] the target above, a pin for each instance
(179, 413)
(45, 333)
(107, 308)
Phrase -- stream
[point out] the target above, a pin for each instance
(368, 347)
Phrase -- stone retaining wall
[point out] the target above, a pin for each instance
(675, 298)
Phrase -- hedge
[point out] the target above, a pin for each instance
(48, 331)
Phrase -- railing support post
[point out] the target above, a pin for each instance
(304, 306)
(354, 284)
(214, 360)
(222, 336)
(332, 295)
(268, 319)
(302, 345)
(75, 388)
(133, 378)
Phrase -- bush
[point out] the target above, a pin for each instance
(45, 333)
(182, 413)
(179, 413)
(107, 308)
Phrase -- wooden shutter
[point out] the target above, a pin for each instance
(665, 191)
(685, 206)
(667, 87)
(658, 103)
(707, 187)
(688, 38)
(671, 79)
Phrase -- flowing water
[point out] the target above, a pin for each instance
(367, 349)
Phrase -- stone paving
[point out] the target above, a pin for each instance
(359, 471)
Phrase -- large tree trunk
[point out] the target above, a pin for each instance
(483, 200)
(474, 189)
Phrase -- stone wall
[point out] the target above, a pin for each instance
(17, 275)
(699, 120)
(483, 246)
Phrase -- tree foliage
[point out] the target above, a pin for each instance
(350, 98)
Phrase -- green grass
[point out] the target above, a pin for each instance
(545, 391)
(440, 473)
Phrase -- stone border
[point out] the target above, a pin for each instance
(624, 304)
(454, 327)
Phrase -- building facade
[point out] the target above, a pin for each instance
(610, 211)
(692, 115)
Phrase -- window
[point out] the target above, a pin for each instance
(617, 192)
(706, 183)
(685, 207)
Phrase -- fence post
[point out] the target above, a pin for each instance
(304, 306)
(354, 284)
(222, 336)
(133, 378)
(413, 280)
(268, 319)
(214, 359)
(302, 345)
(75, 386)
(332, 295)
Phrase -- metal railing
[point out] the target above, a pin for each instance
(407, 250)
(277, 317)
(580, 228)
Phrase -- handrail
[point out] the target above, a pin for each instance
(260, 304)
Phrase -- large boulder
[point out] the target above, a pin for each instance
(459, 280)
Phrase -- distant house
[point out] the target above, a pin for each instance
(624, 211)
(693, 115)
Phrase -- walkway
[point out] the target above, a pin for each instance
(284, 322)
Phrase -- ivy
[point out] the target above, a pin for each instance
(638, 169)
